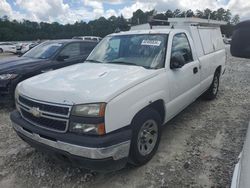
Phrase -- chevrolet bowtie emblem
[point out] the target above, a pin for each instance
(35, 112)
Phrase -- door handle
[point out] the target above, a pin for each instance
(195, 70)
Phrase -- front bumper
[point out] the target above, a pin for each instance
(102, 153)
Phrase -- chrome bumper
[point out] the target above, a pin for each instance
(117, 151)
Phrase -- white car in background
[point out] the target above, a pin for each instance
(24, 47)
(7, 47)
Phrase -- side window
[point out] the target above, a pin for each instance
(181, 45)
(72, 50)
(87, 47)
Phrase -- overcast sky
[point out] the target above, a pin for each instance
(69, 11)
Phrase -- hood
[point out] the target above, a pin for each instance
(84, 83)
(18, 64)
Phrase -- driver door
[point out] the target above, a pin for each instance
(184, 81)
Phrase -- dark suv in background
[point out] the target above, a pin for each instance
(47, 56)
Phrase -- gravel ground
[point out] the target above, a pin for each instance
(199, 147)
(6, 55)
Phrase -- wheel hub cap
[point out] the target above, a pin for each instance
(147, 137)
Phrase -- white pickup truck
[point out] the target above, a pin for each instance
(109, 111)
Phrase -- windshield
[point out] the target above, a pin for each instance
(44, 50)
(146, 50)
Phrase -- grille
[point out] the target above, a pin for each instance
(45, 122)
(44, 115)
(45, 107)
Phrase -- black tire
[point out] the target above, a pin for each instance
(1, 50)
(212, 91)
(145, 117)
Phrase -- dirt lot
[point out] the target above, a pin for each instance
(199, 147)
(6, 55)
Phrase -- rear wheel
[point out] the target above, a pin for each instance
(212, 91)
(146, 136)
(1, 50)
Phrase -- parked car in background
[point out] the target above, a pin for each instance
(33, 44)
(45, 57)
(89, 38)
(25, 46)
(110, 110)
(7, 47)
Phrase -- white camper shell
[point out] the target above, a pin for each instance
(109, 110)
(205, 33)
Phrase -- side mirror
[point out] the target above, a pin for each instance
(177, 61)
(62, 57)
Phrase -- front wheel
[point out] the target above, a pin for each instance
(1, 50)
(146, 136)
(212, 91)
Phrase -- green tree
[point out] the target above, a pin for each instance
(177, 13)
(189, 13)
(207, 13)
(236, 19)
(139, 17)
(28, 30)
(169, 14)
(160, 16)
(199, 14)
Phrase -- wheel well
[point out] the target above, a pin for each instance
(157, 106)
(218, 70)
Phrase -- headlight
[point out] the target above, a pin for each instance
(89, 110)
(84, 128)
(16, 101)
(7, 76)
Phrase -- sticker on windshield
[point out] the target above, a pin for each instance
(151, 43)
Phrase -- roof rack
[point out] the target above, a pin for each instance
(191, 21)
(178, 22)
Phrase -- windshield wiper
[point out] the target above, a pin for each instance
(93, 60)
(127, 63)
(122, 62)
(117, 62)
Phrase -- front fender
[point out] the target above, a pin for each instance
(121, 110)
